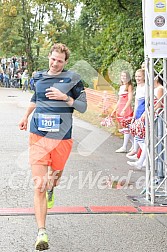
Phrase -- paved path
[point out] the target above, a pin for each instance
(89, 214)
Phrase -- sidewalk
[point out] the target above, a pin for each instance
(89, 214)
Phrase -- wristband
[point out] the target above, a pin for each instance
(68, 99)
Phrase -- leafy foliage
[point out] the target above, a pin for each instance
(113, 33)
(107, 31)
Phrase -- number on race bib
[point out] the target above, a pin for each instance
(50, 123)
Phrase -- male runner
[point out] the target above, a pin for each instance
(57, 94)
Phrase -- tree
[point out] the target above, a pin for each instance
(105, 32)
(112, 32)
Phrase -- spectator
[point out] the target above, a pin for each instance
(24, 80)
(1, 75)
(138, 112)
(32, 81)
(123, 109)
(3, 62)
(158, 106)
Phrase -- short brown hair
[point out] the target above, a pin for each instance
(61, 48)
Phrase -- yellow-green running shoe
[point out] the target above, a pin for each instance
(42, 242)
(50, 198)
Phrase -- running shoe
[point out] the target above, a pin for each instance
(42, 242)
(50, 198)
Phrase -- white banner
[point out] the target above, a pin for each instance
(155, 28)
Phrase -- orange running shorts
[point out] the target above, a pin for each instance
(50, 152)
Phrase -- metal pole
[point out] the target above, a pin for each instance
(147, 119)
(165, 119)
(152, 154)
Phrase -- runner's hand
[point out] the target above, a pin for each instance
(56, 94)
(23, 124)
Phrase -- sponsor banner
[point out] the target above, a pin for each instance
(155, 28)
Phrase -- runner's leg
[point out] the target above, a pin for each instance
(40, 174)
(54, 178)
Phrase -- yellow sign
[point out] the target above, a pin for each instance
(159, 34)
(159, 5)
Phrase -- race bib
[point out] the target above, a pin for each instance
(47, 122)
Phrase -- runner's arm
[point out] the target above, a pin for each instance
(24, 121)
(79, 98)
(77, 101)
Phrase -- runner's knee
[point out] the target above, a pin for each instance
(40, 183)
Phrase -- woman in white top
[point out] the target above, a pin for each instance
(138, 113)
(158, 105)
